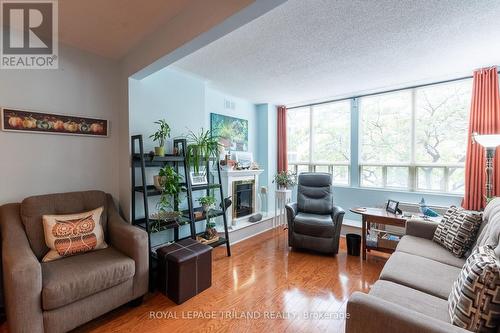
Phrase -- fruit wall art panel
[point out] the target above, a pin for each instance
(28, 121)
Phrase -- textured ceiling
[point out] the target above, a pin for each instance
(111, 28)
(304, 51)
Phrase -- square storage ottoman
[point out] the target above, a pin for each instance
(185, 269)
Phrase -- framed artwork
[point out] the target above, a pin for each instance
(36, 122)
(232, 132)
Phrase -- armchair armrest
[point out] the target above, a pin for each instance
(131, 241)
(22, 274)
(367, 313)
(419, 228)
(291, 210)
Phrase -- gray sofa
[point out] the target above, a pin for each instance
(60, 295)
(412, 292)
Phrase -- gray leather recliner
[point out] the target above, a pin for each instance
(314, 222)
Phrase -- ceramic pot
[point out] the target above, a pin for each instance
(160, 151)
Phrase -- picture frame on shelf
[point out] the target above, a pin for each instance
(392, 207)
(244, 159)
(198, 178)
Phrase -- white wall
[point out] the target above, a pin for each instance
(33, 164)
(168, 94)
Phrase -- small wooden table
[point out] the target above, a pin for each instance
(380, 216)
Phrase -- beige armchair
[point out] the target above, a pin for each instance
(60, 295)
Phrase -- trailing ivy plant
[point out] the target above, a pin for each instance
(201, 147)
(170, 189)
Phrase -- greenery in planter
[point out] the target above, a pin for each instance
(285, 179)
(160, 136)
(201, 147)
(207, 201)
(170, 190)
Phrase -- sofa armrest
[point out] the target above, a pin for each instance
(131, 241)
(422, 229)
(22, 274)
(367, 313)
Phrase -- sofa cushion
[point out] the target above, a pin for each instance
(70, 279)
(474, 303)
(314, 225)
(457, 230)
(426, 275)
(71, 234)
(33, 208)
(428, 249)
(411, 299)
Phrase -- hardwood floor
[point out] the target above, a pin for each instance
(262, 279)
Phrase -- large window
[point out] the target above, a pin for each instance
(319, 139)
(415, 139)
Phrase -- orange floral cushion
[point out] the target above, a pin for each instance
(67, 235)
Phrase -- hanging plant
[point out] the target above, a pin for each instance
(201, 147)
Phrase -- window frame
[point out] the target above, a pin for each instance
(412, 165)
(310, 164)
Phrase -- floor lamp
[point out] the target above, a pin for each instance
(490, 142)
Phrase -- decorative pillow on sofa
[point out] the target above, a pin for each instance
(457, 230)
(67, 235)
(474, 301)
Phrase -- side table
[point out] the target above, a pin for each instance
(282, 197)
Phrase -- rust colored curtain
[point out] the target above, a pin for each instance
(282, 157)
(484, 119)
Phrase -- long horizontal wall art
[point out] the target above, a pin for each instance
(35, 122)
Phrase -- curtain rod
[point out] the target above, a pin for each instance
(382, 92)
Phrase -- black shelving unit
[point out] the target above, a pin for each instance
(142, 161)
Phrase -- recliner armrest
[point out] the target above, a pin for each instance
(367, 313)
(422, 229)
(337, 214)
(291, 210)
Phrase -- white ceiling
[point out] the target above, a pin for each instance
(304, 51)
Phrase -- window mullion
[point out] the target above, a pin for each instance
(311, 137)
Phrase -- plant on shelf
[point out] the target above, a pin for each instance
(170, 189)
(201, 147)
(160, 136)
(285, 179)
(208, 202)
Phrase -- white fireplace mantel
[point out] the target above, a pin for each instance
(228, 177)
(240, 173)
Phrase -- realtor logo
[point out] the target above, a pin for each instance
(29, 34)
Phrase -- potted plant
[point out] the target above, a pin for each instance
(285, 179)
(170, 190)
(208, 203)
(160, 136)
(201, 147)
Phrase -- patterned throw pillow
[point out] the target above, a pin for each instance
(474, 301)
(67, 235)
(457, 230)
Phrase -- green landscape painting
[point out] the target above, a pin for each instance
(232, 132)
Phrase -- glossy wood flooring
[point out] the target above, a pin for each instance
(263, 279)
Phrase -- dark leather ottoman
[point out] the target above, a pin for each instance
(185, 269)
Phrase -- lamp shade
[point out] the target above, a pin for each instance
(487, 140)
